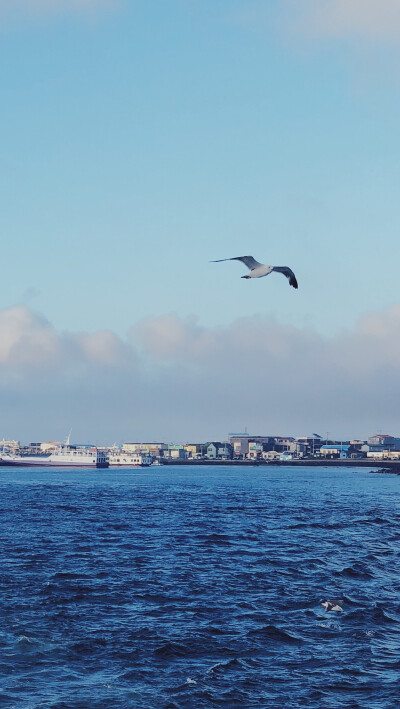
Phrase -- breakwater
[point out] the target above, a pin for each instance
(390, 465)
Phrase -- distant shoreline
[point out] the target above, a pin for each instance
(386, 465)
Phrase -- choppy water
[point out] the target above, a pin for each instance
(199, 587)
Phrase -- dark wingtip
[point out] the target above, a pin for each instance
(294, 283)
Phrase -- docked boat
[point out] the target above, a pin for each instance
(65, 455)
(128, 459)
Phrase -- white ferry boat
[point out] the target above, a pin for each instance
(129, 460)
(65, 455)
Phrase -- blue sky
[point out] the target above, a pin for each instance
(141, 140)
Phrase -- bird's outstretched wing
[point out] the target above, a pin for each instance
(288, 273)
(249, 261)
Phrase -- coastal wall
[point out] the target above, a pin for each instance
(391, 465)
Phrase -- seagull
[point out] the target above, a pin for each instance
(258, 270)
(332, 605)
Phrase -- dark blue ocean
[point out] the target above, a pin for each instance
(199, 587)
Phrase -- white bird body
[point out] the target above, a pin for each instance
(258, 270)
(332, 605)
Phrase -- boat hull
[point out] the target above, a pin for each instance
(129, 465)
(55, 461)
(49, 464)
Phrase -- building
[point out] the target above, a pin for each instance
(307, 446)
(241, 443)
(216, 449)
(9, 445)
(47, 446)
(177, 452)
(196, 450)
(271, 455)
(297, 449)
(335, 450)
(383, 455)
(255, 450)
(383, 441)
(283, 443)
(157, 450)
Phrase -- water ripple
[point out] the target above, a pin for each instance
(199, 588)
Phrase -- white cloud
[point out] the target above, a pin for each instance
(176, 379)
(372, 21)
(26, 339)
(30, 345)
(278, 377)
(376, 20)
(104, 348)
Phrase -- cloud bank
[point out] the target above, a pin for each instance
(172, 379)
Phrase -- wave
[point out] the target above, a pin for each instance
(272, 632)
(356, 571)
(87, 646)
(24, 641)
(171, 650)
(232, 664)
(214, 583)
(214, 538)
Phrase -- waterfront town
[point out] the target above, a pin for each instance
(238, 447)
